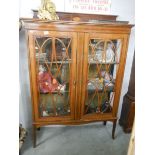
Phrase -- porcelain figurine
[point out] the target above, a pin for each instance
(97, 110)
(68, 111)
(45, 113)
(47, 10)
(106, 107)
(109, 53)
(107, 78)
(61, 88)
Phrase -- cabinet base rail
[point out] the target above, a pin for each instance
(37, 126)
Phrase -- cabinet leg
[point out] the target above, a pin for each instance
(34, 136)
(113, 129)
(38, 129)
(105, 122)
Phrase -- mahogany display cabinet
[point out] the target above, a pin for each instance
(76, 70)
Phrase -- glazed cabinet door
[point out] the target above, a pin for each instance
(103, 63)
(52, 58)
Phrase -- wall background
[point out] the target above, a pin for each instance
(125, 9)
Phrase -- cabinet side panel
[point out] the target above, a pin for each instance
(29, 65)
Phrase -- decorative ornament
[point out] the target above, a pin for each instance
(45, 113)
(47, 83)
(106, 76)
(106, 107)
(97, 110)
(109, 54)
(101, 80)
(61, 88)
(47, 10)
(68, 110)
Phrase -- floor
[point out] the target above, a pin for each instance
(92, 139)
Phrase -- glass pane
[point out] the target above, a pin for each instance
(103, 61)
(53, 58)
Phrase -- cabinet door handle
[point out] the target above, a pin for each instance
(74, 83)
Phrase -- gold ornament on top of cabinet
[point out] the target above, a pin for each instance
(47, 10)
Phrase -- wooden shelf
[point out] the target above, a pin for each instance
(104, 63)
(110, 89)
(54, 92)
(54, 62)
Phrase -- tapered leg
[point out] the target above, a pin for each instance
(113, 129)
(34, 136)
(105, 122)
